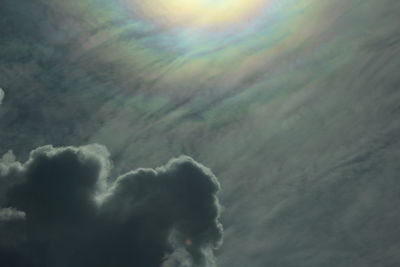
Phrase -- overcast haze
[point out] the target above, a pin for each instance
(289, 117)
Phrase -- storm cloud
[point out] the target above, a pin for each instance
(61, 208)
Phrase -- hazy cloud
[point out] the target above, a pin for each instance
(76, 215)
(1, 95)
(9, 214)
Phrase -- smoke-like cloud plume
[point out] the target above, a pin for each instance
(61, 208)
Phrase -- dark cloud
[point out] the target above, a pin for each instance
(61, 208)
(12, 237)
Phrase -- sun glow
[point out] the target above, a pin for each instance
(201, 13)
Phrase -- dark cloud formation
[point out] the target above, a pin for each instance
(61, 208)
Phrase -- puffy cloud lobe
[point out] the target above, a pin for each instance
(72, 214)
(9, 214)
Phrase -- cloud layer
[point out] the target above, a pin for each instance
(61, 208)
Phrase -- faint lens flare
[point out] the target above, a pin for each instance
(188, 242)
(201, 14)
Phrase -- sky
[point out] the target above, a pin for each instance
(199, 133)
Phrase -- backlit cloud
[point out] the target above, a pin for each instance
(74, 214)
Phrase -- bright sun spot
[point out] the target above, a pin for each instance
(200, 13)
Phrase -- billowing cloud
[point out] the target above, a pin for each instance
(65, 210)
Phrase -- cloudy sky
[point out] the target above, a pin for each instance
(287, 112)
